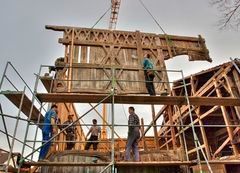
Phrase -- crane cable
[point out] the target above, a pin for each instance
(167, 38)
(145, 7)
(101, 17)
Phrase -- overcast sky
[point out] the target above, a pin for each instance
(26, 43)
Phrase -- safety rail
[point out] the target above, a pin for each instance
(112, 93)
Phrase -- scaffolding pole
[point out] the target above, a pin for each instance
(112, 109)
(6, 132)
(195, 138)
(30, 115)
(15, 129)
(74, 122)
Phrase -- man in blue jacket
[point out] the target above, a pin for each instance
(49, 128)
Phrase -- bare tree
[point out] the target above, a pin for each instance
(230, 13)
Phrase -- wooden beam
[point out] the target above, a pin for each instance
(143, 135)
(129, 99)
(117, 164)
(173, 134)
(195, 149)
(204, 136)
(156, 118)
(233, 92)
(225, 142)
(15, 98)
(154, 127)
(105, 122)
(194, 122)
(227, 122)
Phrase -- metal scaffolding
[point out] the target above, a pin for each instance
(110, 98)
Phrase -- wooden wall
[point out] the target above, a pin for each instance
(94, 53)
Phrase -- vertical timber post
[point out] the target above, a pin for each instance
(155, 128)
(227, 122)
(70, 70)
(143, 136)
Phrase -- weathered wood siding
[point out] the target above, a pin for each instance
(125, 52)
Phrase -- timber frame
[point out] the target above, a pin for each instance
(104, 66)
(217, 126)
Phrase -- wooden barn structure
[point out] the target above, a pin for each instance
(201, 113)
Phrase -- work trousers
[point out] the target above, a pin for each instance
(132, 144)
(44, 149)
(149, 84)
(93, 140)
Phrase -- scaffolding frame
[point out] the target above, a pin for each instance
(112, 94)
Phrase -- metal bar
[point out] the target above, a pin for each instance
(110, 164)
(15, 138)
(30, 115)
(65, 141)
(10, 116)
(4, 74)
(73, 123)
(104, 125)
(11, 83)
(35, 137)
(15, 129)
(116, 68)
(183, 134)
(196, 140)
(21, 77)
(112, 109)
(6, 132)
(108, 80)
(177, 125)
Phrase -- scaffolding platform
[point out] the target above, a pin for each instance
(133, 99)
(15, 98)
(117, 164)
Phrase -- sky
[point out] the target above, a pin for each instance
(26, 43)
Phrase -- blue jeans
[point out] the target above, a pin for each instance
(44, 149)
(132, 144)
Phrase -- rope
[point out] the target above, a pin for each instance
(101, 18)
(145, 7)
(168, 40)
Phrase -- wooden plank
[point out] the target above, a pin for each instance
(143, 135)
(15, 98)
(62, 164)
(117, 164)
(154, 127)
(172, 129)
(141, 99)
(218, 168)
(47, 82)
(225, 143)
(226, 120)
(154, 163)
(195, 149)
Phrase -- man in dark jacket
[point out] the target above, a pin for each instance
(133, 135)
(70, 132)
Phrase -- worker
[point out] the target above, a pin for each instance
(95, 131)
(49, 128)
(133, 135)
(70, 132)
(149, 74)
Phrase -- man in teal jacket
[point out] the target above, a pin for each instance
(149, 74)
